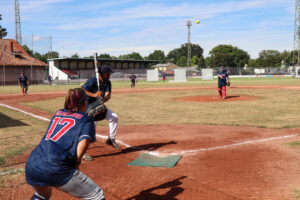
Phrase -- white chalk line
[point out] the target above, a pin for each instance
(157, 153)
(227, 146)
(13, 171)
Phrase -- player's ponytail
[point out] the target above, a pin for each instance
(75, 99)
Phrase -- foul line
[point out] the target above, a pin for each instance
(46, 119)
(230, 145)
(164, 153)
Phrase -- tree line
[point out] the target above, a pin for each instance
(221, 55)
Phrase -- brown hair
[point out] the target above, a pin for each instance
(75, 99)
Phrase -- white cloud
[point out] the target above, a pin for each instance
(33, 4)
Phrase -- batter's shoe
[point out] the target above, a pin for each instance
(112, 142)
(86, 157)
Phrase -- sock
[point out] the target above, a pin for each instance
(224, 91)
(220, 92)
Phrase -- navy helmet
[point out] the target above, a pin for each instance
(105, 69)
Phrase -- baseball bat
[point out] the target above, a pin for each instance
(96, 69)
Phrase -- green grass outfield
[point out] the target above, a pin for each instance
(271, 109)
(144, 84)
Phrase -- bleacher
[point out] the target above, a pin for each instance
(71, 73)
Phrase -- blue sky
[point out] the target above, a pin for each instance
(123, 26)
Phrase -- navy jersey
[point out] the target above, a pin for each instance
(132, 78)
(53, 162)
(91, 86)
(23, 80)
(222, 81)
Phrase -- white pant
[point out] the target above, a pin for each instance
(112, 119)
(80, 186)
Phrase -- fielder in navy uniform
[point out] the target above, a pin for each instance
(23, 82)
(91, 89)
(164, 77)
(55, 161)
(223, 78)
(132, 78)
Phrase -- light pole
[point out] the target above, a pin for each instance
(189, 24)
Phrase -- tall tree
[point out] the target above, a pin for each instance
(253, 63)
(228, 56)
(195, 60)
(157, 55)
(269, 58)
(27, 49)
(289, 58)
(207, 62)
(75, 55)
(3, 32)
(175, 54)
(182, 61)
(201, 62)
(105, 55)
(55, 54)
(133, 56)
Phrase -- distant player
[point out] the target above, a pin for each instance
(133, 80)
(164, 77)
(223, 79)
(55, 161)
(23, 82)
(50, 80)
(91, 89)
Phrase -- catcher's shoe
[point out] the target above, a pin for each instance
(87, 157)
(112, 142)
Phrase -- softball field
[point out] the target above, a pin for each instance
(244, 147)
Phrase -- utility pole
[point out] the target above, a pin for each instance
(31, 58)
(2, 59)
(189, 24)
(50, 53)
(296, 37)
(18, 23)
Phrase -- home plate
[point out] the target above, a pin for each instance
(148, 160)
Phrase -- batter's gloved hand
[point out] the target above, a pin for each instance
(97, 110)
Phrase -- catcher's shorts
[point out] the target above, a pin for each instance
(83, 187)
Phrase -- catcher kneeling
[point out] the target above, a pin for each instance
(96, 99)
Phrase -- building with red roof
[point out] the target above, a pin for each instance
(14, 60)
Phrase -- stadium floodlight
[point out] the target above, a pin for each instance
(189, 24)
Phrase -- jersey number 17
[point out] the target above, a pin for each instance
(68, 124)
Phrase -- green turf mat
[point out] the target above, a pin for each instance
(148, 160)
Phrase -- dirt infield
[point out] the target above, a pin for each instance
(219, 162)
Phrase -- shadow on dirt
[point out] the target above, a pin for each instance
(230, 97)
(174, 190)
(6, 121)
(148, 147)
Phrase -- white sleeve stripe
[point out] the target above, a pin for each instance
(84, 136)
